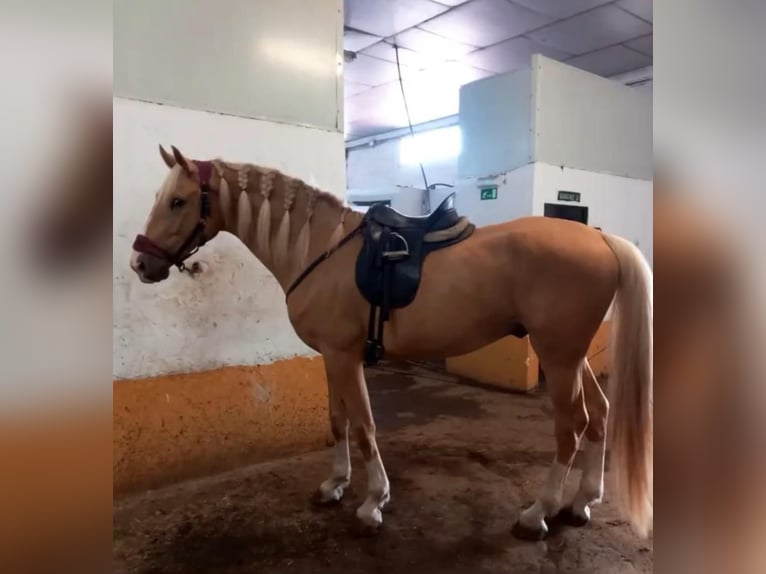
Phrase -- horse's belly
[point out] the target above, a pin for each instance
(461, 305)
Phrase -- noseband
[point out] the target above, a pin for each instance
(196, 238)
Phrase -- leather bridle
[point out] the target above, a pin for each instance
(196, 239)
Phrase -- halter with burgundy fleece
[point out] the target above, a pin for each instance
(196, 239)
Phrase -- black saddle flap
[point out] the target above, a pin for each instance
(403, 270)
(390, 264)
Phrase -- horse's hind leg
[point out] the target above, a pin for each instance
(570, 419)
(331, 490)
(592, 481)
(347, 377)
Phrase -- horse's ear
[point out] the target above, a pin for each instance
(180, 159)
(167, 158)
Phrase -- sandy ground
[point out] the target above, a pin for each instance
(462, 462)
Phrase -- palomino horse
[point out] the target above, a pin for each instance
(550, 278)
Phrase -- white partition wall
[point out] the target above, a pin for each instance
(587, 122)
(280, 61)
(554, 128)
(496, 119)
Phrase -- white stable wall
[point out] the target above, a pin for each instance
(619, 205)
(233, 313)
(378, 167)
(514, 197)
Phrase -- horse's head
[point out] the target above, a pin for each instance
(180, 221)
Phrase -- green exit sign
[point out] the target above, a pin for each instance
(489, 193)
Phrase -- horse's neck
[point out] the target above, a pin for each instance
(283, 221)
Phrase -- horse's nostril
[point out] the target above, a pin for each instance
(140, 266)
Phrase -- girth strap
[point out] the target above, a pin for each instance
(394, 248)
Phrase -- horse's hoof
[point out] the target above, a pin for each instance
(529, 534)
(568, 517)
(321, 499)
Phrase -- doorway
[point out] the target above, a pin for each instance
(571, 212)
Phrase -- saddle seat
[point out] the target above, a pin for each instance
(390, 264)
(441, 218)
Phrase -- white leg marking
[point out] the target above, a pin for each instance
(333, 487)
(592, 482)
(378, 493)
(549, 501)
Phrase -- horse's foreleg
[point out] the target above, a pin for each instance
(331, 490)
(348, 378)
(570, 419)
(592, 482)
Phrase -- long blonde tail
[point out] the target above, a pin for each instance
(630, 385)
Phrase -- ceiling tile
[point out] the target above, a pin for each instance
(360, 129)
(355, 41)
(452, 2)
(645, 45)
(561, 8)
(352, 88)
(510, 55)
(611, 61)
(445, 75)
(371, 71)
(378, 109)
(592, 30)
(387, 17)
(431, 44)
(484, 22)
(409, 58)
(641, 8)
(431, 94)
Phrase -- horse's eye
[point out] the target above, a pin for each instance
(176, 202)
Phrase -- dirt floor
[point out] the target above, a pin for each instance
(462, 462)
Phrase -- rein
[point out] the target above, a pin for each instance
(196, 238)
(326, 255)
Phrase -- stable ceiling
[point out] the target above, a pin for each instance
(444, 44)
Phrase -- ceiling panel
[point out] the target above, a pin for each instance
(353, 88)
(645, 45)
(452, 2)
(641, 8)
(431, 94)
(592, 30)
(484, 22)
(446, 75)
(355, 41)
(511, 55)
(387, 17)
(611, 61)
(372, 71)
(431, 44)
(561, 8)
(375, 110)
(409, 58)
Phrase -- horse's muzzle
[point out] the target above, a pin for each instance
(150, 269)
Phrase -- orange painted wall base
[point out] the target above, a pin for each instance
(511, 363)
(176, 427)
